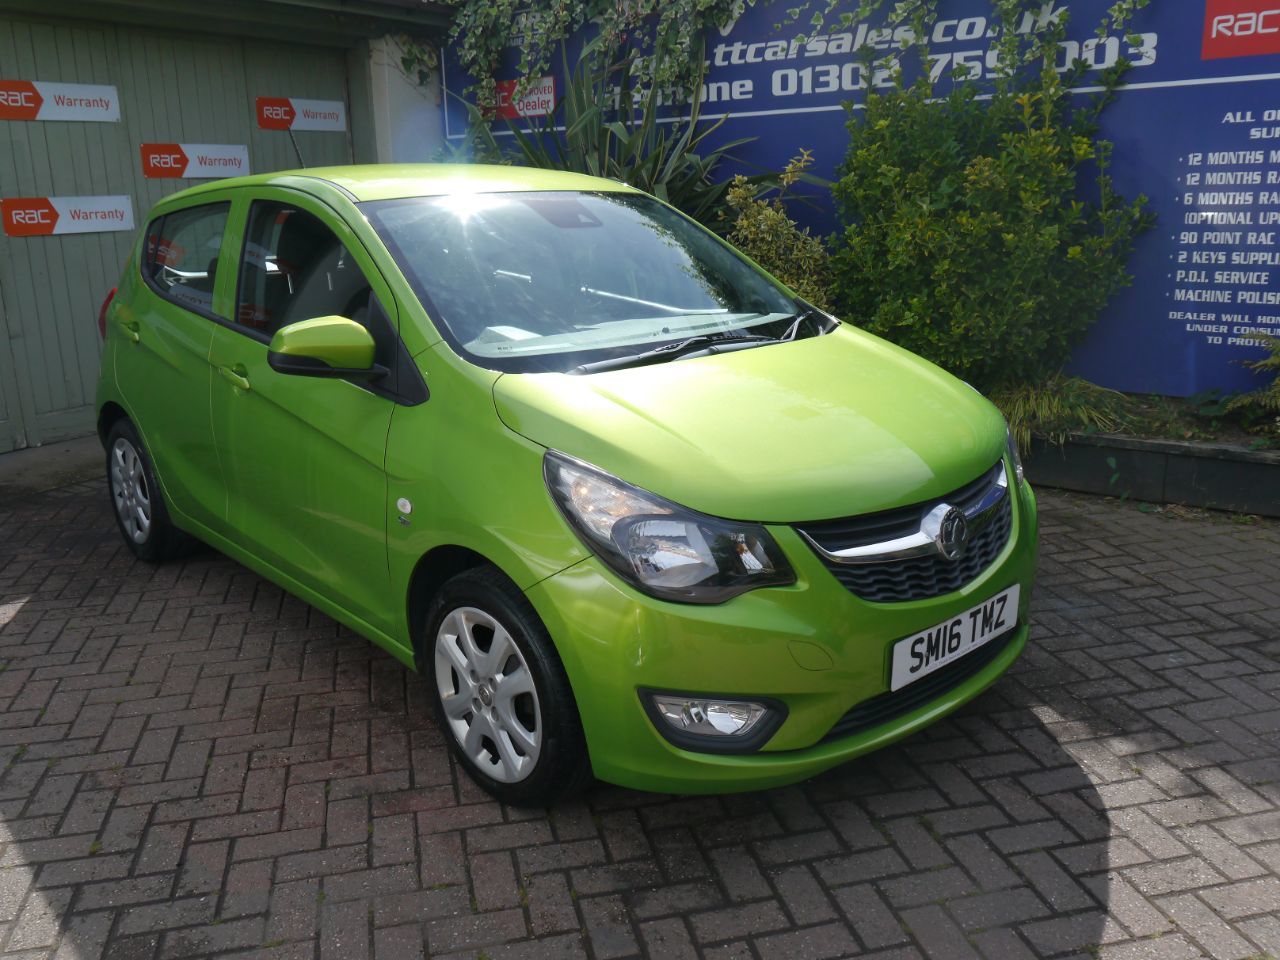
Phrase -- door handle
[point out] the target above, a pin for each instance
(130, 331)
(236, 376)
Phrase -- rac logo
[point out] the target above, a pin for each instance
(1240, 28)
(28, 216)
(275, 113)
(163, 160)
(19, 100)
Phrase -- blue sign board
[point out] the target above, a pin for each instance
(1196, 129)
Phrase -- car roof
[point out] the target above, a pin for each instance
(388, 181)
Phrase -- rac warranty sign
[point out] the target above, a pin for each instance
(38, 100)
(1240, 28)
(52, 216)
(292, 113)
(194, 160)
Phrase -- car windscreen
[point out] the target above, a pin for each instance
(547, 281)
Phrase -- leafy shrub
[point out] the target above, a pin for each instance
(966, 239)
(668, 30)
(981, 229)
(763, 231)
(1261, 408)
(1058, 406)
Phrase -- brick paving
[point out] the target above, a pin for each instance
(194, 764)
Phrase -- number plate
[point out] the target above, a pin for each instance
(946, 642)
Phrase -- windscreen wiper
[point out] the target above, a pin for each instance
(811, 314)
(693, 346)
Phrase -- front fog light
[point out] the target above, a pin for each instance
(711, 718)
(700, 723)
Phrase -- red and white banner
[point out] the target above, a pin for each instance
(290, 113)
(50, 216)
(195, 161)
(1240, 28)
(38, 100)
(537, 101)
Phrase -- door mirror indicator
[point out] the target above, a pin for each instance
(325, 347)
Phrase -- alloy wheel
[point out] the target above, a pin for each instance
(129, 491)
(488, 694)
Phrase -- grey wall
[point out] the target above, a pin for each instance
(173, 88)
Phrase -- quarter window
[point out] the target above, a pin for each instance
(180, 258)
(295, 268)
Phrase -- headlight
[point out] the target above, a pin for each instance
(1013, 455)
(659, 547)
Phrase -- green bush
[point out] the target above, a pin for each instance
(762, 230)
(1059, 406)
(1261, 408)
(984, 234)
(482, 32)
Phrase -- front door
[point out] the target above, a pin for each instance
(303, 456)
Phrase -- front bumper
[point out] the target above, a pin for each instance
(813, 645)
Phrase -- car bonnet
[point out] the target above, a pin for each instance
(818, 428)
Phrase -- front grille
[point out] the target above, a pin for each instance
(883, 708)
(919, 578)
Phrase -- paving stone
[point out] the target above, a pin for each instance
(550, 904)
(739, 874)
(668, 939)
(937, 934)
(1246, 898)
(809, 943)
(874, 922)
(728, 923)
(1007, 908)
(1209, 930)
(474, 930)
(608, 927)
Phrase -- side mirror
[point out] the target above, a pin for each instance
(324, 347)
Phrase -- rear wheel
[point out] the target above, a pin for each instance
(500, 692)
(139, 505)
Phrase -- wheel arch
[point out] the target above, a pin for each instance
(431, 573)
(110, 414)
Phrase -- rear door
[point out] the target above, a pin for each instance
(164, 320)
(304, 457)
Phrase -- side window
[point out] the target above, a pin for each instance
(180, 259)
(295, 268)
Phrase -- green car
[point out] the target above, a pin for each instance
(636, 510)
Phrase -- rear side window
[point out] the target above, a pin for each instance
(295, 268)
(180, 258)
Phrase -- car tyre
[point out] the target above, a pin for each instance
(500, 693)
(136, 498)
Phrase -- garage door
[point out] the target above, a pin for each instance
(173, 88)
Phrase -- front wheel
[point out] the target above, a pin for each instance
(139, 505)
(501, 696)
